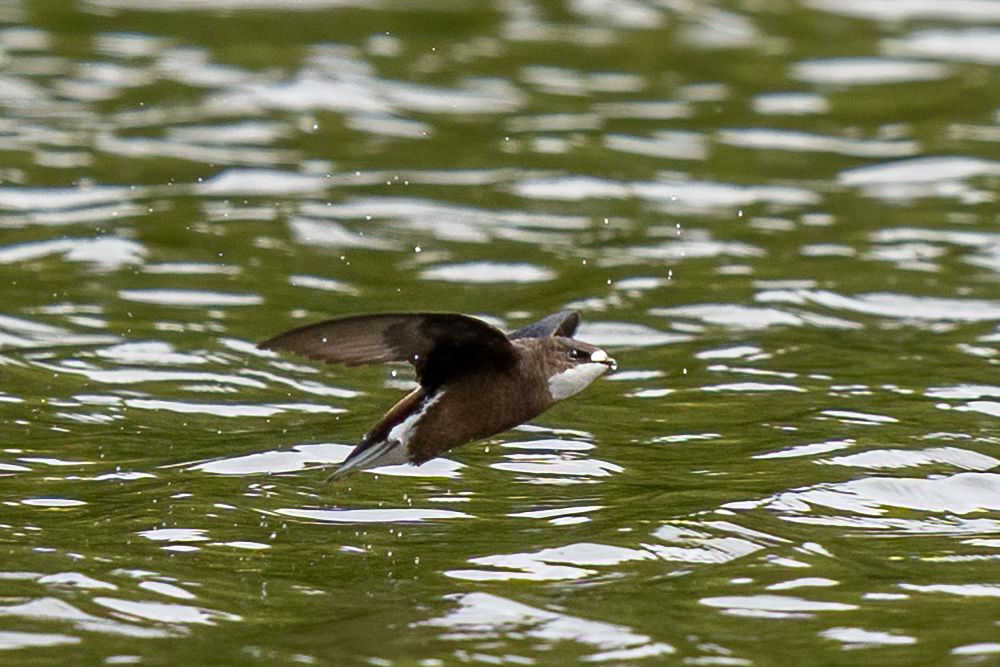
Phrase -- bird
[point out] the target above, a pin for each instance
(474, 380)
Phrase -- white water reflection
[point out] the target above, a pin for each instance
(861, 418)
(165, 612)
(961, 493)
(15, 640)
(76, 580)
(358, 93)
(625, 334)
(974, 45)
(138, 375)
(229, 410)
(807, 449)
(148, 352)
(787, 140)
(556, 468)
(804, 582)
(889, 459)
(446, 221)
(559, 563)
(330, 234)
(23, 333)
(299, 457)
(735, 352)
(400, 515)
(560, 515)
(194, 152)
(55, 610)
(175, 534)
(189, 298)
(488, 272)
(896, 306)
(551, 445)
(991, 408)
(105, 253)
(752, 317)
(986, 245)
(790, 104)
(861, 638)
(773, 606)
(867, 71)
(894, 11)
(257, 182)
(701, 549)
(680, 195)
(686, 542)
(919, 171)
(193, 268)
(490, 617)
(166, 589)
(53, 502)
(320, 283)
(674, 145)
(247, 132)
(964, 590)
(305, 457)
(49, 199)
(752, 387)
(731, 315)
(983, 648)
(692, 248)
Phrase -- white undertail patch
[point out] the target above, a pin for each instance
(403, 431)
(393, 450)
(574, 380)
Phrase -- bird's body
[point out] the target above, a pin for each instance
(475, 381)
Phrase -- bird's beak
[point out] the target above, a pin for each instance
(601, 357)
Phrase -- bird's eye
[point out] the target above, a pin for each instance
(576, 353)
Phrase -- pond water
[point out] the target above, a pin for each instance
(780, 217)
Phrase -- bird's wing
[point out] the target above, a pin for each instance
(563, 323)
(439, 345)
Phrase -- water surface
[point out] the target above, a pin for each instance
(780, 217)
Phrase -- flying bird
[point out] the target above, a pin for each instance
(474, 380)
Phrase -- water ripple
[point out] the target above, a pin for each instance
(485, 616)
(402, 515)
(867, 71)
(188, 298)
(488, 272)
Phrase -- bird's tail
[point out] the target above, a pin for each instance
(340, 473)
(373, 455)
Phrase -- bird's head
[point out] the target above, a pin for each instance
(573, 364)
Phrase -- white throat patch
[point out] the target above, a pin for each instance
(574, 380)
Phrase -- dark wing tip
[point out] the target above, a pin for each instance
(563, 323)
(570, 321)
(435, 343)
